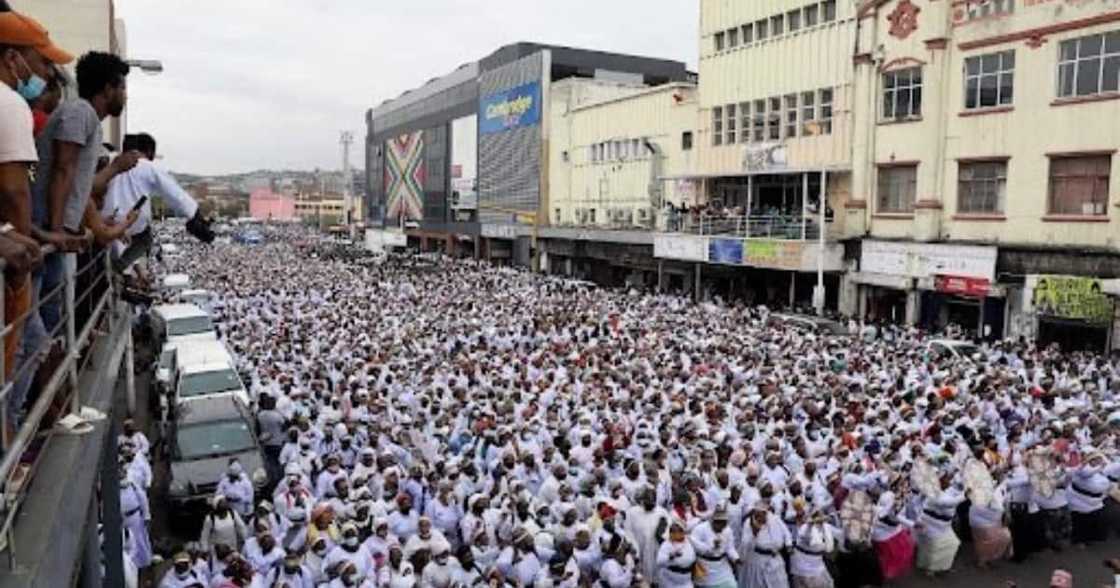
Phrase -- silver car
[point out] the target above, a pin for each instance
(205, 436)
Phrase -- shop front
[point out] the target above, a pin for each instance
(931, 285)
(1074, 312)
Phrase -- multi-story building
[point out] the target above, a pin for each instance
(463, 159)
(984, 170)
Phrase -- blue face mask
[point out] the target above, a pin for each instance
(32, 87)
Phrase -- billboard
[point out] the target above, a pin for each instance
(464, 163)
(728, 251)
(404, 177)
(510, 109)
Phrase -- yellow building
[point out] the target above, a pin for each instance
(984, 164)
(611, 144)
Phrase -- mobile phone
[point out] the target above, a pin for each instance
(139, 203)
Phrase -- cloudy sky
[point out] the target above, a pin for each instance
(270, 83)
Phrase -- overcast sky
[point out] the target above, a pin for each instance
(254, 84)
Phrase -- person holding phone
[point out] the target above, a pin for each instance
(132, 191)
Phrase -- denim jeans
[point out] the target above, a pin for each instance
(29, 355)
(52, 274)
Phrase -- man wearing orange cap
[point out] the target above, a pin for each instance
(26, 55)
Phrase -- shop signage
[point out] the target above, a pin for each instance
(682, 247)
(774, 254)
(514, 108)
(1072, 297)
(728, 251)
(921, 260)
(493, 231)
(963, 286)
(765, 157)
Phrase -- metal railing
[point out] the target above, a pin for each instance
(793, 228)
(98, 293)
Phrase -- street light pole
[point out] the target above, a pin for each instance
(818, 292)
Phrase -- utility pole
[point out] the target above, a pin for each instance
(346, 140)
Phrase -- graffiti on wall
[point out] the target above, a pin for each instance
(1072, 297)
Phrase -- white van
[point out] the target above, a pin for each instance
(173, 283)
(184, 352)
(198, 297)
(176, 322)
(207, 380)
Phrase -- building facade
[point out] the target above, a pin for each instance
(984, 186)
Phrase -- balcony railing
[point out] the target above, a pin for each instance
(782, 227)
(85, 296)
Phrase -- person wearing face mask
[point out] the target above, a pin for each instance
(397, 572)
(440, 571)
(262, 552)
(292, 574)
(26, 57)
(675, 558)
(405, 521)
(519, 561)
(350, 549)
(446, 513)
(182, 574)
(314, 558)
(237, 488)
(222, 525)
(426, 540)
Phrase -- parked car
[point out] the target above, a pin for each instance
(204, 437)
(209, 379)
(186, 353)
(812, 324)
(952, 348)
(178, 322)
(198, 297)
(174, 283)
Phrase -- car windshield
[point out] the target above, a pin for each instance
(214, 439)
(189, 326)
(966, 349)
(204, 383)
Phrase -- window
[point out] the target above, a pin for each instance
(732, 132)
(720, 41)
(636, 148)
(777, 24)
(809, 114)
(979, 10)
(791, 115)
(897, 187)
(565, 157)
(608, 151)
(744, 122)
(793, 18)
(982, 187)
(622, 149)
(1089, 65)
(989, 80)
(829, 9)
(902, 94)
(774, 119)
(759, 121)
(1079, 185)
(748, 33)
(733, 38)
(761, 29)
(558, 216)
(826, 111)
(812, 15)
(591, 215)
(717, 126)
(595, 154)
(686, 141)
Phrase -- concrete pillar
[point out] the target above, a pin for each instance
(568, 266)
(478, 247)
(913, 303)
(697, 294)
(792, 289)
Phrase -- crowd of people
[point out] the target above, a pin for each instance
(444, 423)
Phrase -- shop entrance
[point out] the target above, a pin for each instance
(1072, 335)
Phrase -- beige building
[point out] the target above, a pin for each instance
(984, 165)
(610, 145)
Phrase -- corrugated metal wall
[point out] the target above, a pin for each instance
(509, 163)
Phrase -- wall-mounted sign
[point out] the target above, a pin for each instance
(764, 157)
(922, 260)
(682, 247)
(774, 254)
(729, 251)
(493, 231)
(1072, 297)
(514, 108)
(963, 286)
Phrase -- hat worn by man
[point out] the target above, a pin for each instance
(19, 30)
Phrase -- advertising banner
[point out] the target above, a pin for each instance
(963, 286)
(774, 254)
(514, 108)
(729, 251)
(921, 260)
(682, 247)
(1072, 297)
